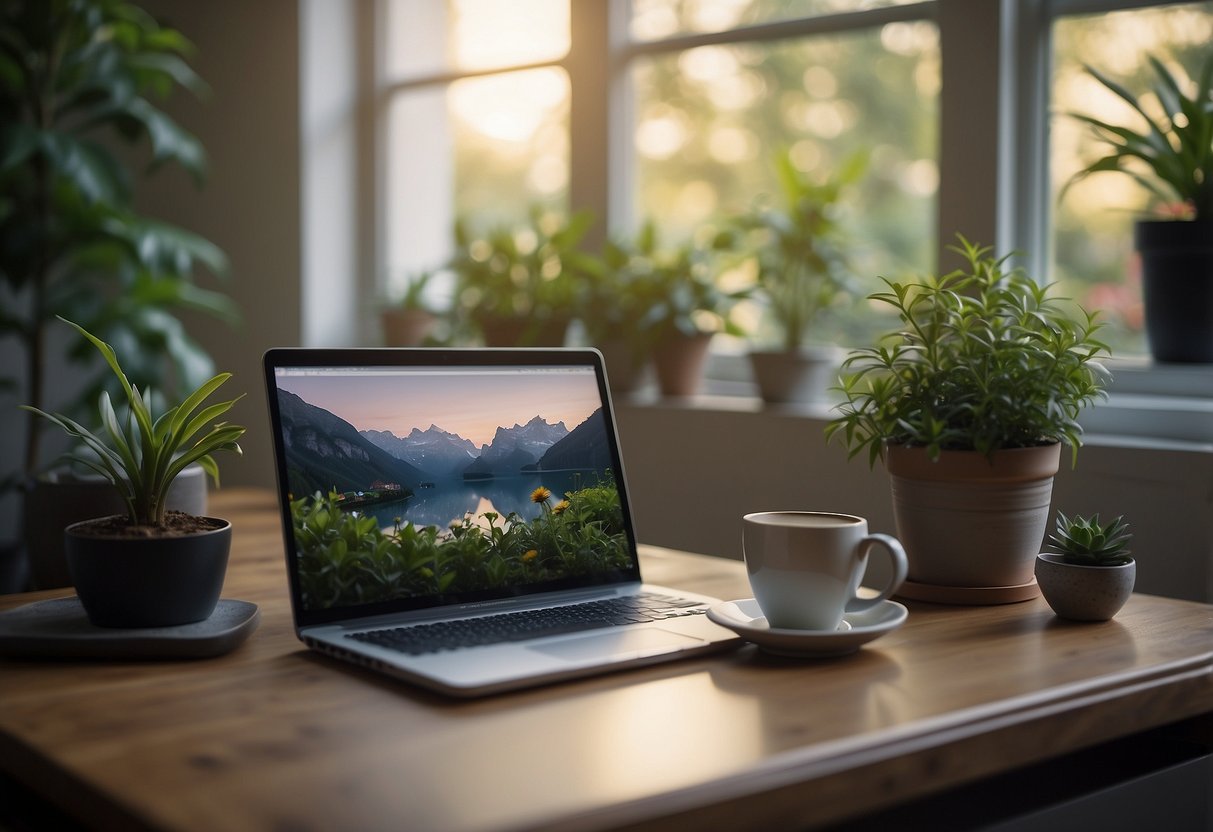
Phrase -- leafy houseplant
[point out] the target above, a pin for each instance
(79, 79)
(518, 286)
(151, 567)
(75, 75)
(686, 309)
(1172, 157)
(408, 321)
(802, 271)
(1089, 574)
(621, 288)
(975, 394)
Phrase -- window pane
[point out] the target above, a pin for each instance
(511, 143)
(485, 148)
(424, 38)
(657, 19)
(1092, 242)
(710, 121)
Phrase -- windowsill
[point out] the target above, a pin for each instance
(1148, 405)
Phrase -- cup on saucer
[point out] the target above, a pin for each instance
(805, 567)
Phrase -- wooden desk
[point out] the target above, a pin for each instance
(272, 736)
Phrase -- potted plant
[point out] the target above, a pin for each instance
(150, 567)
(620, 288)
(1173, 158)
(409, 320)
(801, 272)
(1088, 574)
(968, 404)
(78, 81)
(518, 286)
(686, 308)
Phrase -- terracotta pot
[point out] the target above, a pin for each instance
(148, 581)
(679, 360)
(1177, 288)
(968, 520)
(1084, 593)
(786, 376)
(625, 366)
(523, 332)
(406, 327)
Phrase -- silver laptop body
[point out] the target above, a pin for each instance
(424, 488)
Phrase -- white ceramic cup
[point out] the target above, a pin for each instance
(806, 566)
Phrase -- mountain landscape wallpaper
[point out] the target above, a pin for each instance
(406, 486)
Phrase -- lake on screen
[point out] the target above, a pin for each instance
(452, 500)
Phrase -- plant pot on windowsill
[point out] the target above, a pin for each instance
(794, 376)
(406, 327)
(1177, 288)
(501, 331)
(679, 361)
(625, 364)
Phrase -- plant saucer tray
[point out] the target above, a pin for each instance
(59, 629)
(968, 595)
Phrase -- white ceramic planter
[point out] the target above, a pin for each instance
(1084, 593)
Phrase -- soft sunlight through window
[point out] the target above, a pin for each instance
(1093, 224)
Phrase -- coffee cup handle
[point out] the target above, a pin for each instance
(900, 567)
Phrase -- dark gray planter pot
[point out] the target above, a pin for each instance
(1084, 593)
(148, 581)
(1177, 288)
(59, 499)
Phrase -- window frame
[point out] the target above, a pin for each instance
(993, 135)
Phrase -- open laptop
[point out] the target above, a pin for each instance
(459, 518)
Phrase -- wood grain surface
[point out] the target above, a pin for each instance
(274, 737)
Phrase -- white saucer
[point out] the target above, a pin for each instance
(858, 628)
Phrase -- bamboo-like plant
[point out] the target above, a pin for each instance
(1177, 148)
(142, 455)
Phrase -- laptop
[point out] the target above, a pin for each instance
(458, 518)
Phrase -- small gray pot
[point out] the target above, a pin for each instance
(1084, 593)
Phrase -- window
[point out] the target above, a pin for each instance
(710, 119)
(477, 113)
(1092, 235)
(476, 122)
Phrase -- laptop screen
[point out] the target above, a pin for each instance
(417, 478)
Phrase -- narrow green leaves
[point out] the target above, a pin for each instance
(987, 359)
(142, 456)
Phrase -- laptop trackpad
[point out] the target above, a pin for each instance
(625, 644)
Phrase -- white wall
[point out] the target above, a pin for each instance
(694, 470)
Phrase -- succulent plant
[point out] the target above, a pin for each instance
(1087, 542)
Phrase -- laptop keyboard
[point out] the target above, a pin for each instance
(418, 639)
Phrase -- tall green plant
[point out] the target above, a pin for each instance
(78, 78)
(1176, 148)
(985, 359)
(142, 455)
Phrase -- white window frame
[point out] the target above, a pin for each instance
(993, 145)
